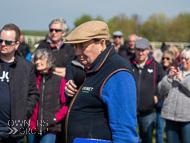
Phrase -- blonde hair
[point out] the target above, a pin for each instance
(175, 50)
(170, 55)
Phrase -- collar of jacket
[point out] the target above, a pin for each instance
(47, 75)
(150, 59)
(96, 65)
(53, 45)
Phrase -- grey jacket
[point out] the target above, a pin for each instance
(176, 106)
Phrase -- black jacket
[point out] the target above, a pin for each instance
(147, 83)
(126, 53)
(24, 94)
(49, 102)
(62, 55)
(72, 67)
(24, 49)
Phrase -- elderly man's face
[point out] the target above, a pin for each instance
(141, 55)
(56, 36)
(87, 52)
(132, 40)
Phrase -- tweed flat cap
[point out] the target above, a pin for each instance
(117, 33)
(88, 31)
(142, 43)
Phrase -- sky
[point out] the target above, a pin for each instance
(37, 14)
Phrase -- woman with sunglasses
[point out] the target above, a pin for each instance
(176, 109)
(167, 60)
(50, 109)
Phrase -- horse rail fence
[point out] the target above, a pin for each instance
(35, 39)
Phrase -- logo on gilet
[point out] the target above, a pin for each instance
(87, 89)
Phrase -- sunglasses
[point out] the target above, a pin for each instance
(7, 42)
(184, 58)
(56, 30)
(117, 36)
(165, 58)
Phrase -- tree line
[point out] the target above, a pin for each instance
(158, 27)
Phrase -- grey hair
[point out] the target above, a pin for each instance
(61, 21)
(186, 52)
(133, 35)
(47, 54)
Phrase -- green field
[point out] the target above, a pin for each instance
(35, 33)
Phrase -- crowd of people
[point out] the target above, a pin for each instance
(87, 88)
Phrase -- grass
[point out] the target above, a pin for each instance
(35, 33)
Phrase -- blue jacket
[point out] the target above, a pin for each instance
(105, 105)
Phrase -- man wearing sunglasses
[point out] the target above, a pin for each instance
(61, 51)
(18, 90)
(118, 38)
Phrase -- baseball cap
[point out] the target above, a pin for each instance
(117, 33)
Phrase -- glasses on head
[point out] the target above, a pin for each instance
(116, 37)
(7, 42)
(182, 58)
(56, 30)
(165, 58)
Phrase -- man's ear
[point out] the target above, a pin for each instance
(63, 33)
(17, 44)
(103, 44)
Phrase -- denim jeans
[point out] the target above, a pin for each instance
(4, 136)
(159, 128)
(177, 131)
(44, 138)
(146, 127)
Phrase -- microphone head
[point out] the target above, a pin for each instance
(79, 78)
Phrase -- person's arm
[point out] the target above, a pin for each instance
(160, 75)
(119, 94)
(32, 94)
(184, 82)
(63, 111)
(61, 71)
(165, 85)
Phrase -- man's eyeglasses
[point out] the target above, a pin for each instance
(7, 42)
(165, 58)
(116, 37)
(56, 30)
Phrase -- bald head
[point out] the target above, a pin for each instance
(132, 38)
(21, 38)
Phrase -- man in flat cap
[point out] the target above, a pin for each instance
(148, 73)
(104, 106)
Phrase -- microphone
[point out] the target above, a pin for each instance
(78, 80)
